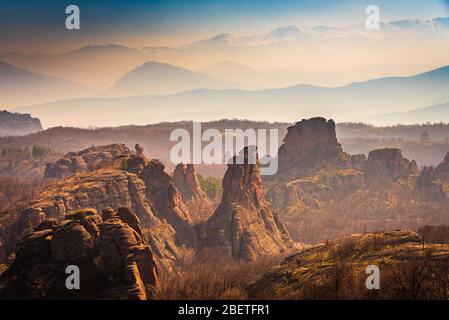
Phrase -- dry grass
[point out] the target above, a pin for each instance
(212, 277)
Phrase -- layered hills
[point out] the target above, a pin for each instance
(21, 87)
(205, 103)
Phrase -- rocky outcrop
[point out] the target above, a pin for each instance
(244, 225)
(100, 190)
(196, 200)
(89, 159)
(385, 166)
(113, 260)
(442, 170)
(163, 242)
(112, 188)
(12, 124)
(136, 162)
(139, 149)
(413, 168)
(325, 185)
(167, 202)
(310, 145)
(337, 269)
(428, 186)
(358, 162)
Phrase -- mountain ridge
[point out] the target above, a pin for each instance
(355, 100)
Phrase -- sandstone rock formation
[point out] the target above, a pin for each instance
(112, 188)
(89, 159)
(113, 260)
(428, 186)
(325, 185)
(309, 145)
(12, 124)
(186, 181)
(442, 170)
(167, 202)
(413, 168)
(244, 225)
(358, 162)
(136, 162)
(139, 149)
(385, 166)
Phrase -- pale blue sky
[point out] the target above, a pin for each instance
(31, 25)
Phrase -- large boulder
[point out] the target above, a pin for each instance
(113, 260)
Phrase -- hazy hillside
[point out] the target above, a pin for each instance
(94, 66)
(21, 87)
(355, 139)
(432, 114)
(262, 79)
(161, 78)
(350, 102)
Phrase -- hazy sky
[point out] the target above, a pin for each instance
(39, 25)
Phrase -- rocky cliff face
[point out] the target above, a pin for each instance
(151, 195)
(167, 202)
(186, 181)
(89, 159)
(12, 124)
(428, 186)
(113, 258)
(385, 166)
(244, 225)
(310, 145)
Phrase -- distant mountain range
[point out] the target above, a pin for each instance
(161, 78)
(357, 100)
(279, 57)
(433, 114)
(254, 79)
(21, 87)
(96, 66)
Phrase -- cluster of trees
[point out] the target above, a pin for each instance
(211, 186)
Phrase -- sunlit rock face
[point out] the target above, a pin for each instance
(310, 145)
(90, 159)
(244, 226)
(112, 256)
(196, 200)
